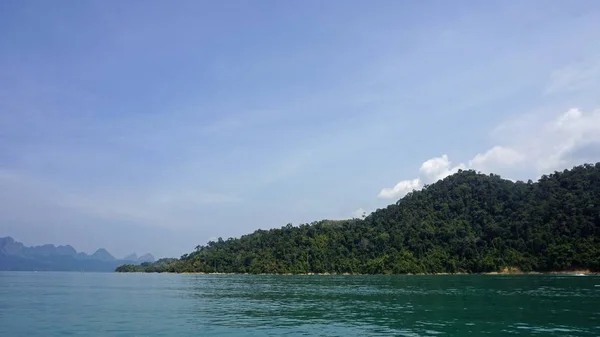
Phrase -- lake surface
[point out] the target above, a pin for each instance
(59, 304)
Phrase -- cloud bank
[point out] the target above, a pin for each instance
(532, 146)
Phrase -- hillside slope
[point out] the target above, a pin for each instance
(467, 222)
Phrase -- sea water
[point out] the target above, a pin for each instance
(105, 304)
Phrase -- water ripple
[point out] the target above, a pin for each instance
(57, 304)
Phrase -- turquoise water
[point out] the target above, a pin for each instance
(59, 304)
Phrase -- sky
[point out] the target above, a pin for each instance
(155, 126)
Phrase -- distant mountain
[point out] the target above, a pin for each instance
(49, 250)
(102, 254)
(141, 259)
(15, 256)
(131, 257)
(8, 246)
(146, 258)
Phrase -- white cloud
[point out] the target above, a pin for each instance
(359, 213)
(430, 171)
(437, 168)
(568, 117)
(570, 139)
(401, 189)
(498, 156)
(534, 147)
(540, 143)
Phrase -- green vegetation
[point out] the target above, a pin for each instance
(468, 222)
(147, 267)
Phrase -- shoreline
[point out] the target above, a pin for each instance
(584, 272)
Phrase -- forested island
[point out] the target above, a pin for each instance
(466, 223)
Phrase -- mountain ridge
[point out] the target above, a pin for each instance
(15, 255)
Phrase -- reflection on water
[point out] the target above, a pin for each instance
(56, 304)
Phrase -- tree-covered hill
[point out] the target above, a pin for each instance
(467, 222)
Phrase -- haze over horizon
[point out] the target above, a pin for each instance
(156, 126)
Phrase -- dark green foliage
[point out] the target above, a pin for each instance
(130, 268)
(468, 222)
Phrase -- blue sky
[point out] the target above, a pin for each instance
(155, 126)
